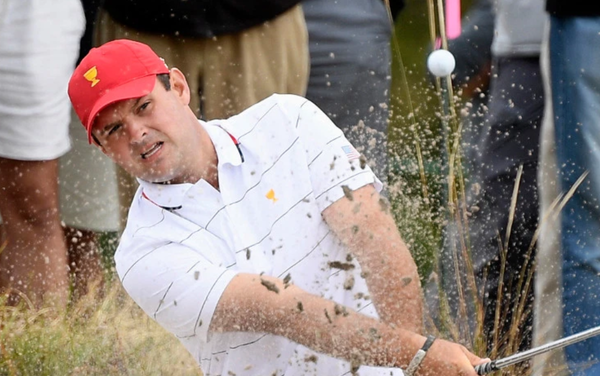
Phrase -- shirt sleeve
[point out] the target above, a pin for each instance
(334, 164)
(173, 284)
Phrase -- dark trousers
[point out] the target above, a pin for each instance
(510, 139)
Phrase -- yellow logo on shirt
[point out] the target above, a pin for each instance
(91, 75)
(271, 196)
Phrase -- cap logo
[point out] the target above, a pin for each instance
(91, 75)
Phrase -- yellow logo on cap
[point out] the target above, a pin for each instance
(271, 196)
(91, 74)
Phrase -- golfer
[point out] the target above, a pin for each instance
(259, 241)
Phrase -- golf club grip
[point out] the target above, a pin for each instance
(485, 368)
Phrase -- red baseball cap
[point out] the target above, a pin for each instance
(115, 71)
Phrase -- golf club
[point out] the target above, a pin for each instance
(495, 365)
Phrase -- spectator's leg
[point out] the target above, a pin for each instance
(34, 260)
(510, 140)
(39, 44)
(574, 51)
(84, 261)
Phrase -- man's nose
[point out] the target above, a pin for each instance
(137, 132)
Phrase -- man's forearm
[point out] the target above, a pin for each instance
(264, 304)
(343, 333)
(392, 277)
(253, 303)
(390, 273)
(364, 223)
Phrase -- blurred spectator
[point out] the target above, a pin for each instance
(87, 190)
(350, 70)
(39, 43)
(472, 51)
(510, 139)
(234, 52)
(574, 82)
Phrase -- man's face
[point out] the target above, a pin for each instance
(156, 137)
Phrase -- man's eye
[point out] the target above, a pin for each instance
(143, 106)
(114, 129)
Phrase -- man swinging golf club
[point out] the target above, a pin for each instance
(260, 241)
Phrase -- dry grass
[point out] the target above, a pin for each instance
(95, 336)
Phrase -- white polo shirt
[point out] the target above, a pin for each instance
(184, 243)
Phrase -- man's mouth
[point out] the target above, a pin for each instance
(156, 147)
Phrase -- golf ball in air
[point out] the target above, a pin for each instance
(441, 63)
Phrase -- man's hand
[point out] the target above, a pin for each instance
(447, 358)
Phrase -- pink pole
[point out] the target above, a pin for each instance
(452, 19)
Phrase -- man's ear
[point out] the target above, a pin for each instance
(180, 86)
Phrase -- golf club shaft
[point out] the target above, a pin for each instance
(495, 365)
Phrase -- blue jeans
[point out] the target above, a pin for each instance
(575, 78)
